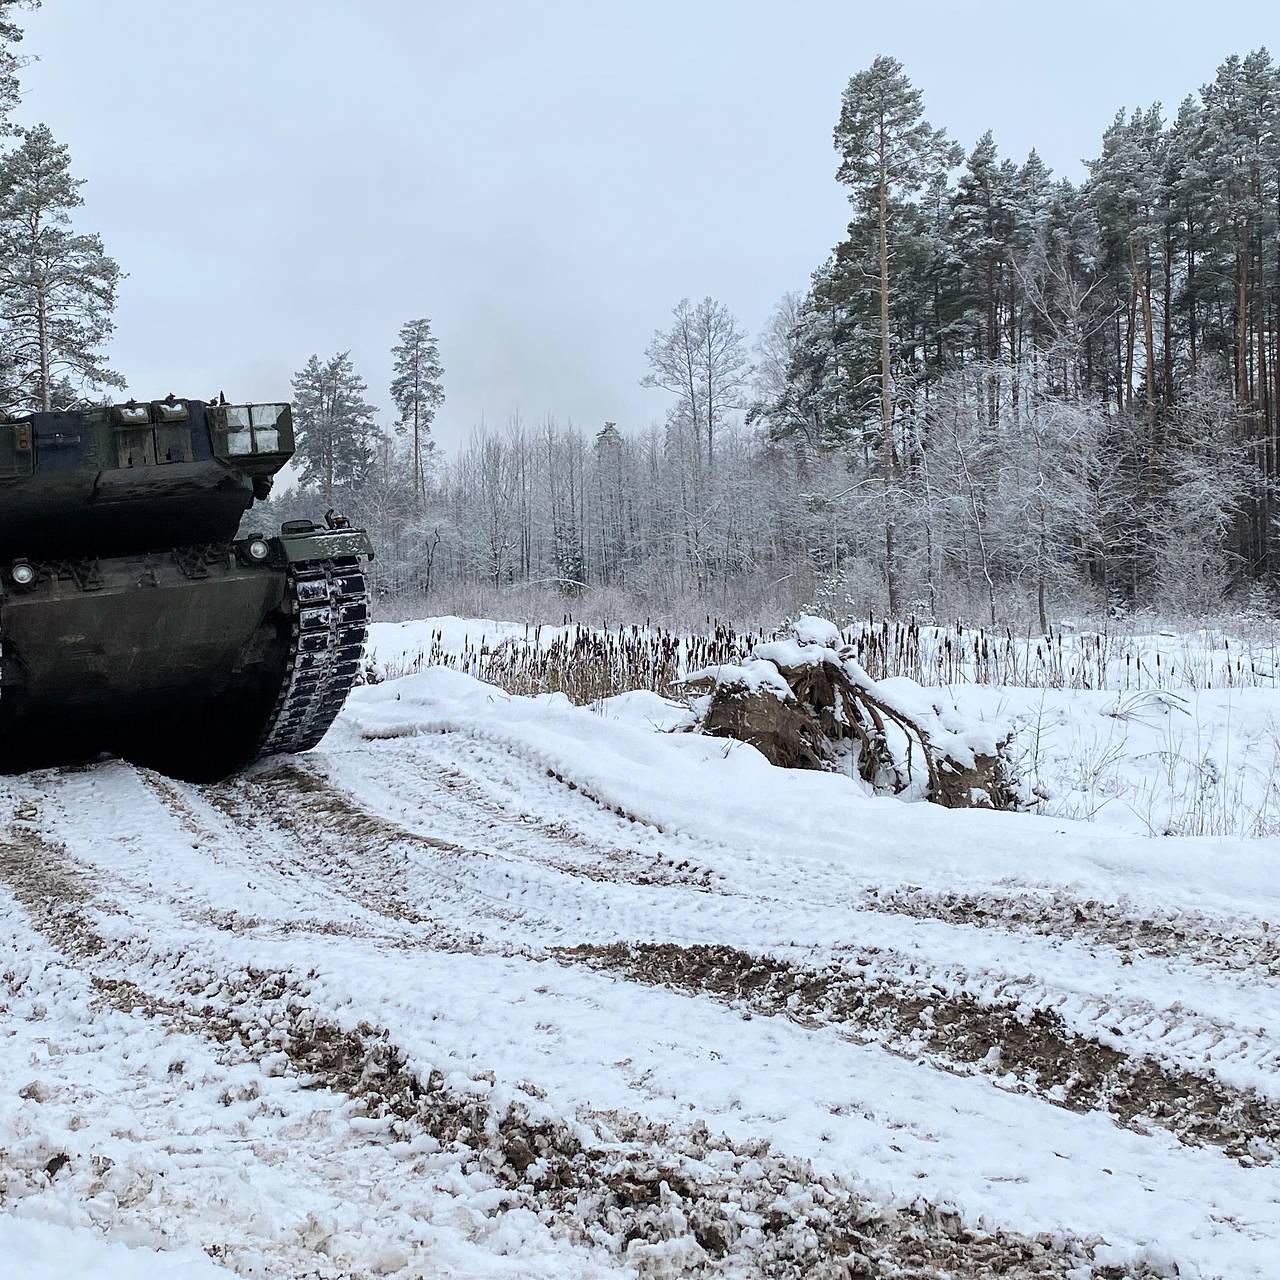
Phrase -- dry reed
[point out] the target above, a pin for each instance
(587, 664)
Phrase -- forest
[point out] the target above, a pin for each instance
(1003, 396)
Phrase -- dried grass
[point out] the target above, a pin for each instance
(588, 663)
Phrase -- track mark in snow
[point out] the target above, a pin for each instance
(668, 1201)
(1181, 935)
(518, 804)
(294, 811)
(370, 1204)
(1027, 1048)
(665, 1201)
(49, 885)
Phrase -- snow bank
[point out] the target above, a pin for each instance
(1157, 762)
(728, 793)
(1185, 739)
(34, 1250)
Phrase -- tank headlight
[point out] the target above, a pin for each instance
(23, 574)
(266, 426)
(259, 549)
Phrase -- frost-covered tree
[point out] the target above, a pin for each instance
(778, 401)
(417, 391)
(57, 286)
(1083, 385)
(888, 150)
(11, 61)
(1189, 531)
(702, 361)
(333, 424)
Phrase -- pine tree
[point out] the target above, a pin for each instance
(333, 424)
(983, 229)
(57, 287)
(1187, 196)
(417, 391)
(1125, 186)
(887, 149)
(11, 62)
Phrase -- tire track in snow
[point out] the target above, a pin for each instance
(346, 840)
(667, 1201)
(1232, 945)
(1028, 1048)
(1202, 1023)
(487, 765)
(365, 850)
(1218, 1055)
(539, 813)
(917, 1007)
(290, 810)
(355, 1201)
(166, 845)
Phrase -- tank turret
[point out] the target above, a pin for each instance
(134, 620)
(134, 477)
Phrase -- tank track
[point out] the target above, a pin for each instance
(329, 614)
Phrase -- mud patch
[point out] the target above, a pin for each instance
(670, 1202)
(1181, 935)
(51, 888)
(1032, 1048)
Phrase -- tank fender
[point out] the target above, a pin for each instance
(326, 544)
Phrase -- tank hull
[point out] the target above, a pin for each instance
(193, 663)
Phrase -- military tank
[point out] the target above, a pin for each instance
(136, 619)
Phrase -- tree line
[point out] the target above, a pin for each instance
(1095, 361)
(1001, 392)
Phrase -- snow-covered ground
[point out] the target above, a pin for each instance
(1160, 762)
(490, 986)
(1183, 740)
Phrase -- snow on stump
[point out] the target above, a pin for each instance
(804, 702)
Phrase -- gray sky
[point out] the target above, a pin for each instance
(544, 181)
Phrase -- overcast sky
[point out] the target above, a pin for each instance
(544, 181)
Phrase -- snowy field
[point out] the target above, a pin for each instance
(491, 986)
(1173, 735)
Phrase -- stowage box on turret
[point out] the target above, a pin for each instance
(133, 620)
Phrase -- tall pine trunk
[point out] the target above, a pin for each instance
(42, 338)
(1129, 341)
(1167, 315)
(888, 461)
(1242, 322)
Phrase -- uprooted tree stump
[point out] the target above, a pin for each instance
(805, 703)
